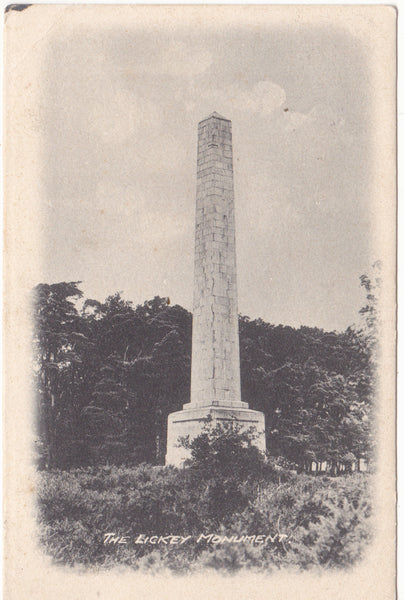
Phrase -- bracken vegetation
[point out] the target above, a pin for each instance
(313, 521)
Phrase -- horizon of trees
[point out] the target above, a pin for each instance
(108, 375)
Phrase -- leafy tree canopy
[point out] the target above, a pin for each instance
(107, 376)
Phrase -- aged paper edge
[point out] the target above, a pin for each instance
(28, 573)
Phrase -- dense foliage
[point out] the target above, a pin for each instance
(108, 374)
(312, 522)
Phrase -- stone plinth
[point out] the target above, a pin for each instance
(190, 421)
(215, 373)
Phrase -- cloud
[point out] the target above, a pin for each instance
(180, 60)
(176, 59)
(128, 104)
(158, 153)
(294, 120)
(306, 177)
(263, 99)
(118, 114)
(321, 116)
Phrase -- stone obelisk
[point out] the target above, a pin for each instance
(215, 376)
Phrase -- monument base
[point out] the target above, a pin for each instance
(190, 421)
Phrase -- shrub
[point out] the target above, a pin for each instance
(227, 468)
(326, 520)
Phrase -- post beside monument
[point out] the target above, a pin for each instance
(215, 366)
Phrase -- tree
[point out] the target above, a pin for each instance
(109, 375)
(115, 330)
(142, 374)
(57, 335)
(314, 388)
(367, 339)
(370, 312)
(226, 466)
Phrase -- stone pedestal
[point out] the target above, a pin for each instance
(215, 375)
(190, 421)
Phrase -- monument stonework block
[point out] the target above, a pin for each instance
(215, 376)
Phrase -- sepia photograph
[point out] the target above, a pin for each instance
(200, 276)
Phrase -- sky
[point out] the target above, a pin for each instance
(121, 107)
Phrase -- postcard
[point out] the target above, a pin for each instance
(200, 280)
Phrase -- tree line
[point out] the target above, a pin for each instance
(107, 375)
